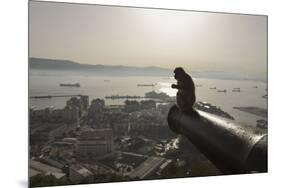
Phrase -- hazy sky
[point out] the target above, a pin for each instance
(198, 41)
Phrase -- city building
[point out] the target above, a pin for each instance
(85, 102)
(94, 143)
(41, 114)
(118, 121)
(131, 106)
(58, 115)
(77, 107)
(36, 167)
(114, 108)
(148, 104)
(78, 173)
(97, 105)
(71, 113)
(148, 168)
(96, 113)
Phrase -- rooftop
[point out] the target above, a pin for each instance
(147, 167)
(41, 167)
(81, 170)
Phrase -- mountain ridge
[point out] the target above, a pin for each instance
(121, 70)
(67, 65)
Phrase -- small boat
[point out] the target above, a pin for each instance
(237, 89)
(255, 87)
(146, 85)
(213, 88)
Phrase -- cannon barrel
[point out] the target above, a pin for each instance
(232, 148)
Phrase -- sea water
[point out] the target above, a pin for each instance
(97, 86)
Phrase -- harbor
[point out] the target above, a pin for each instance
(119, 89)
(52, 96)
(123, 97)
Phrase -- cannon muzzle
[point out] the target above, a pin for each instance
(233, 148)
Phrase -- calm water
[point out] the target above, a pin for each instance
(47, 83)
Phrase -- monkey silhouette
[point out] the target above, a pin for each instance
(186, 91)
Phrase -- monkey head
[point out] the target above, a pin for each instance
(179, 76)
(179, 73)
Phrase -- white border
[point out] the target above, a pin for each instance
(13, 40)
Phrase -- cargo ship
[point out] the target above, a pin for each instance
(145, 85)
(237, 89)
(222, 91)
(70, 85)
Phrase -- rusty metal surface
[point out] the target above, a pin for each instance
(232, 147)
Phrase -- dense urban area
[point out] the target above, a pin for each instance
(90, 142)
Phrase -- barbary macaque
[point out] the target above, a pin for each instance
(186, 90)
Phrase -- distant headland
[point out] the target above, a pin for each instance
(66, 65)
(122, 70)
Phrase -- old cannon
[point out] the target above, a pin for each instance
(232, 148)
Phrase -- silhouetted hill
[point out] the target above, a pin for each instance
(119, 70)
(65, 65)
